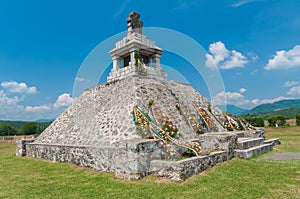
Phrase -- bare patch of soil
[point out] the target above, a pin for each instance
(283, 156)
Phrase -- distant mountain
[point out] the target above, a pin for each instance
(290, 113)
(44, 120)
(289, 108)
(234, 110)
(276, 106)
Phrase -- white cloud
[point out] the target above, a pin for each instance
(285, 59)
(122, 8)
(184, 4)
(242, 90)
(81, 79)
(37, 108)
(254, 58)
(233, 98)
(63, 100)
(238, 99)
(254, 72)
(242, 2)
(295, 90)
(5, 100)
(11, 107)
(15, 87)
(290, 83)
(266, 101)
(219, 56)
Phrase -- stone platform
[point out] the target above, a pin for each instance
(137, 158)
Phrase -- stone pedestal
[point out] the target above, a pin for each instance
(21, 147)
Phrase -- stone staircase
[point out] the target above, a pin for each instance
(248, 146)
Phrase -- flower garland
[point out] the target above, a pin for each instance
(189, 118)
(166, 133)
(205, 117)
(220, 118)
(164, 122)
(247, 125)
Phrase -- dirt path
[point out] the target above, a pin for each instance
(283, 156)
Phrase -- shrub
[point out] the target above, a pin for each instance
(255, 121)
(298, 120)
(280, 120)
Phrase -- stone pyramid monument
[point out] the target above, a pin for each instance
(102, 115)
(136, 117)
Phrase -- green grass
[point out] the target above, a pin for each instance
(254, 178)
(289, 136)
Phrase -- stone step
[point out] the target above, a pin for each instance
(248, 153)
(274, 141)
(246, 143)
(182, 169)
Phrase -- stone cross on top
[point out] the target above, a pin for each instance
(133, 23)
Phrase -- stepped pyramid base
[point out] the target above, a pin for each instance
(136, 158)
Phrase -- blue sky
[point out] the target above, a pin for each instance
(255, 44)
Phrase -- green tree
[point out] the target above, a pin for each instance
(298, 120)
(30, 128)
(280, 120)
(255, 121)
(7, 129)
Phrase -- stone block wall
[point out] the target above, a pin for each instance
(128, 159)
(220, 142)
(258, 133)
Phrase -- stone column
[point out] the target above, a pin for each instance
(156, 60)
(132, 58)
(115, 63)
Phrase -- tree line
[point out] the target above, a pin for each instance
(11, 128)
(277, 120)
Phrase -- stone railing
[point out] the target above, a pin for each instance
(122, 73)
(138, 37)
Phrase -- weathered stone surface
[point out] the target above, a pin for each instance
(258, 133)
(102, 115)
(248, 153)
(180, 170)
(222, 141)
(246, 143)
(21, 147)
(127, 160)
(274, 141)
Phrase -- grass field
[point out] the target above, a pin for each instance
(253, 178)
